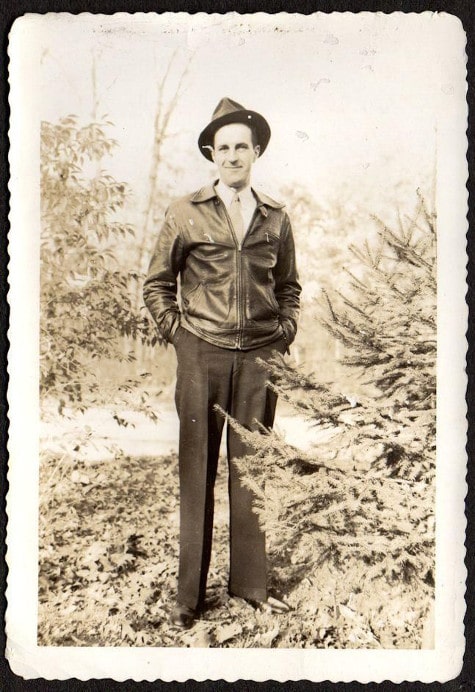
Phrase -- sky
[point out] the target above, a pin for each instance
(353, 101)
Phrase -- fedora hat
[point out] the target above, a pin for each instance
(226, 112)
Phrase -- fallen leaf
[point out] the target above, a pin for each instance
(197, 638)
(362, 637)
(347, 612)
(83, 573)
(160, 568)
(226, 632)
(266, 638)
(77, 477)
(94, 552)
(128, 632)
(121, 559)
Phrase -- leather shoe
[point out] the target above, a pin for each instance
(182, 617)
(276, 605)
(273, 604)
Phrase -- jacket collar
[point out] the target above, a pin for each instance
(208, 192)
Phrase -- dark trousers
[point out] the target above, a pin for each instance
(209, 375)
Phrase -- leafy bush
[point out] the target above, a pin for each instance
(86, 303)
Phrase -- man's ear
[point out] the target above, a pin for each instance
(257, 150)
(211, 151)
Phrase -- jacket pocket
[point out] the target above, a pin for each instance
(261, 304)
(191, 300)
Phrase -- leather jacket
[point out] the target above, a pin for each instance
(234, 295)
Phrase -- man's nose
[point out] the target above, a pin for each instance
(233, 155)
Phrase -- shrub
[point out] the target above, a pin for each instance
(86, 303)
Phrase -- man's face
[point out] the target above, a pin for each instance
(234, 154)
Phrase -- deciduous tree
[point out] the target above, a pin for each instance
(86, 300)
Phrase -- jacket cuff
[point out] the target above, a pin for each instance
(173, 330)
(289, 329)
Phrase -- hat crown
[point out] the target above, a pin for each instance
(225, 107)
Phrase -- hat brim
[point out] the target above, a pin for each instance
(250, 118)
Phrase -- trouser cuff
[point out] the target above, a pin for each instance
(256, 594)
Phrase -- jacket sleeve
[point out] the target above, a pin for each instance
(160, 286)
(287, 287)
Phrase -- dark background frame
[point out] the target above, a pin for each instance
(9, 11)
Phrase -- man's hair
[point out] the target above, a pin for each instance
(254, 137)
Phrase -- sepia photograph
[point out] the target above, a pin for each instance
(238, 292)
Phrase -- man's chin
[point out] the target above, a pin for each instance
(236, 181)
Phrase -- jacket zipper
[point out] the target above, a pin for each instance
(238, 245)
(238, 343)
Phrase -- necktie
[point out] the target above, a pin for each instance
(236, 217)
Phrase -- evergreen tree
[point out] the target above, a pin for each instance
(362, 499)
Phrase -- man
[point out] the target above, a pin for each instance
(239, 300)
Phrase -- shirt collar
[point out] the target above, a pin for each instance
(207, 193)
(227, 193)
